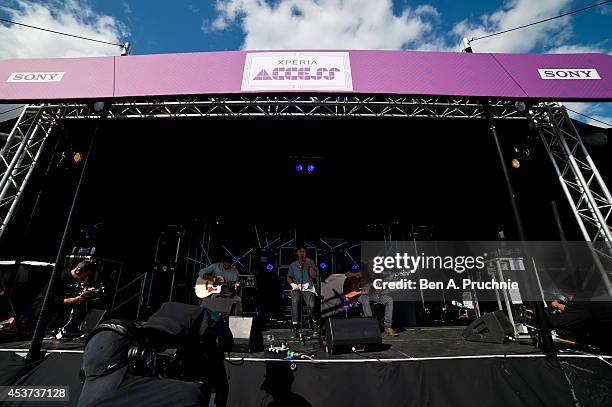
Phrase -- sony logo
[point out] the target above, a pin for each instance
(35, 77)
(556, 73)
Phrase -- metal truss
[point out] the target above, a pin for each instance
(582, 183)
(298, 105)
(19, 156)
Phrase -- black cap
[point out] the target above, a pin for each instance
(105, 363)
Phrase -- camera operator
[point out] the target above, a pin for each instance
(174, 359)
(116, 370)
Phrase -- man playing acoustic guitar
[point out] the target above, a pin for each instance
(224, 272)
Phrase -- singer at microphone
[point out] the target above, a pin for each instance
(301, 276)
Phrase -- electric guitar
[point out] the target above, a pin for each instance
(353, 288)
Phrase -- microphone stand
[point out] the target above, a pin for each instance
(301, 308)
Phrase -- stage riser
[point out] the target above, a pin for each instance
(455, 383)
(495, 382)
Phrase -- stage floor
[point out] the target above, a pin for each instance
(426, 342)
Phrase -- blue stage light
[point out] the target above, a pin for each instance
(310, 168)
(354, 267)
(269, 266)
(299, 168)
(323, 265)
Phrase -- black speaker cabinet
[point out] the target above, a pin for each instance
(493, 327)
(246, 337)
(341, 334)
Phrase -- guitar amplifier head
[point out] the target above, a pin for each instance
(248, 281)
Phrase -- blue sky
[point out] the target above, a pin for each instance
(192, 25)
(156, 28)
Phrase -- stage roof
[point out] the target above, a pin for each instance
(526, 76)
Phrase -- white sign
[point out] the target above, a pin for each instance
(556, 73)
(325, 71)
(35, 77)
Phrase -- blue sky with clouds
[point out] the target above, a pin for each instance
(192, 25)
(188, 25)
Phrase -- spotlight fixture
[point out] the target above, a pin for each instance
(322, 265)
(77, 157)
(520, 105)
(522, 152)
(99, 106)
(306, 166)
(269, 266)
(595, 139)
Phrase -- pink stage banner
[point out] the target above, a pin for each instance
(528, 76)
(56, 79)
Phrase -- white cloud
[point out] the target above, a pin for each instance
(515, 13)
(325, 24)
(70, 16)
(578, 49)
(367, 24)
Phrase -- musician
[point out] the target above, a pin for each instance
(226, 272)
(67, 278)
(589, 319)
(300, 277)
(370, 294)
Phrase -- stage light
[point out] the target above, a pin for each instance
(99, 106)
(520, 105)
(269, 266)
(323, 265)
(516, 163)
(595, 139)
(354, 267)
(77, 157)
(301, 166)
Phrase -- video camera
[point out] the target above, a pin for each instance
(179, 344)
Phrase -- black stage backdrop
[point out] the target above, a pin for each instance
(479, 382)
